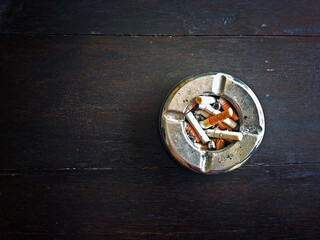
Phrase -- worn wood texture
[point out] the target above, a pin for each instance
(93, 102)
(82, 86)
(162, 204)
(200, 17)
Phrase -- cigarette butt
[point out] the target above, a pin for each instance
(200, 145)
(196, 126)
(192, 132)
(220, 144)
(192, 105)
(216, 133)
(225, 105)
(209, 109)
(211, 145)
(230, 122)
(225, 139)
(205, 100)
(224, 126)
(216, 118)
(202, 112)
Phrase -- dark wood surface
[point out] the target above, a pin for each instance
(162, 203)
(182, 17)
(94, 101)
(81, 90)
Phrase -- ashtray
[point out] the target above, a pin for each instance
(211, 123)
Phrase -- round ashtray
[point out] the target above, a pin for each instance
(211, 123)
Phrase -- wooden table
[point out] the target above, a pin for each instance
(81, 90)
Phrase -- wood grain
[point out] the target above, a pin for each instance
(270, 202)
(93, 102)
(142, 17)
(82, 85)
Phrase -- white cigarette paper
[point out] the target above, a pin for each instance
(209, 109)
(203, 113)
(216, 133)
(196, 126)
(205, 100)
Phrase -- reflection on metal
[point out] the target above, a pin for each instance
(242, 99)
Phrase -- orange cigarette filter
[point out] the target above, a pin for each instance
(212, 120)
(224, 126)
(192, 106)
(192, 132)
(225, 106)
(220, 144)
(204, 147)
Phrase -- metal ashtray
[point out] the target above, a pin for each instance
(251, 123)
